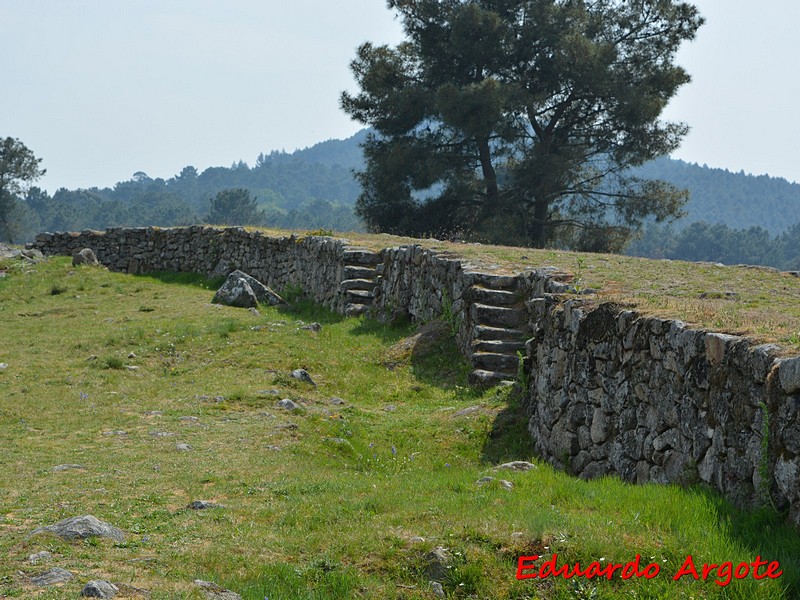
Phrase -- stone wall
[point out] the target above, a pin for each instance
(649, 399)
(609, 391)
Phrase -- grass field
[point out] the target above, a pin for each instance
(112, 372)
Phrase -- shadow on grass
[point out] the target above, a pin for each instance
(306, 310)
(190, 279)
(763, 532)
(509, 438)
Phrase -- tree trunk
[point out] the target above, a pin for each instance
(489, 177)
(539, 229)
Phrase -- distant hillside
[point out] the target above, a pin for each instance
(733, 199)
(315, 188)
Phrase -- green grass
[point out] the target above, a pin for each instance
(324, 502)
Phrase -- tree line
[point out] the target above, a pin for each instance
(281, 190)
(720, 243)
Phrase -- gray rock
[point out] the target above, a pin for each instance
(162, 434)
(42, 556)
(517, 465)
(438, 561)
(789, 372)
(503, 483)
(183, 447)
(470, 410)
(3, 366)
(66, 467)
(216, 592)
(80, 528)
(51, 577)
(84, 257)
(263, 293)
(202, 505)
(288, 404)
(236, 292)
(437, 589)
(336, 401)
(99, 589)
(115, 432)
(302, 375)
(316, 327)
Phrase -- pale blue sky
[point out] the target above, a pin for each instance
(103, 88)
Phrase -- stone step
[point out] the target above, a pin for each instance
(367, 285)
(498, 316)
(483, 377)
(491, 361)
(491, 296)
(499, 346)
(485, 332)
(361, 257)
(495, 282)
(355, 310)
(355, 272)
(359, 297)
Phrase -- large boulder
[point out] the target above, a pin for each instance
(244, 291)
(81, 528)
(84, 257)
(235, 292)
(264, 293)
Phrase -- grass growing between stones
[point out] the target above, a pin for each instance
(328, 501)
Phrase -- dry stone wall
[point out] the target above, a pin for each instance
(609, 391)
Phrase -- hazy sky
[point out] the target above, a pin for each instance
(101, 89)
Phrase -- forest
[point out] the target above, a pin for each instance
(731, 218)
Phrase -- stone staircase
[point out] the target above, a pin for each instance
(499, 328)
(360, 279)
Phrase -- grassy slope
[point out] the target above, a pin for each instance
(321, 503)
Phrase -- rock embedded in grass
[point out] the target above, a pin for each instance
(99, 589)
(81, 528)
(438, 563)
(516, 465)
(288, 404)
(202, 505)
(437, 589)
(470, 410)
(216, 592)
(302, 375)
(183, 447)
(162, 434)
(66, 467)
(38, 557)
(51, 577)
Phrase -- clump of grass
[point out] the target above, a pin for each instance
(113, 362)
